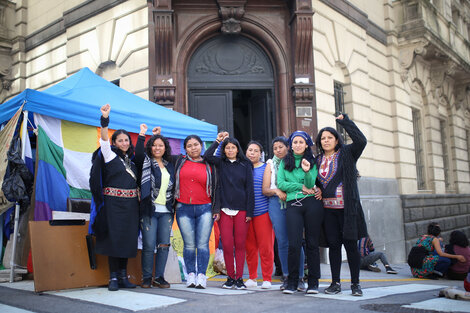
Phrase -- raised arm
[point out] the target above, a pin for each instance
(209, 154)
(358, 138)
(105, 109)
(139, 147)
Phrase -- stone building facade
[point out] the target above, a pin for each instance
(259, 68)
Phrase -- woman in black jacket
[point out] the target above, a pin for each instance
(237, 203)
(344, 221)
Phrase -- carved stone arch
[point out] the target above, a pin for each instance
(263, 37)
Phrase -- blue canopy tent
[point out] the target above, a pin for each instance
(79, 97)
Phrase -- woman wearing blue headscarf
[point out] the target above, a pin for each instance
(296, 177)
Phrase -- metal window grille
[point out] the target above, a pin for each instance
(339, 107)
(419, 151)
(445, 154)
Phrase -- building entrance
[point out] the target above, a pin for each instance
(231, 84)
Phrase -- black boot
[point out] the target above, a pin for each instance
(113, 282)
(124, 281)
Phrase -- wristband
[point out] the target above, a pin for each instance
(104, 121)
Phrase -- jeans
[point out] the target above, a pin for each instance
(195, 223)
(308, 216)
(442, 264)
(372, 257)
(155, 232)
(334, 222)
(278, 219)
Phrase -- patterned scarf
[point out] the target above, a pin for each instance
(276, 162)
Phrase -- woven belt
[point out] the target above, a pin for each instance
(122, 193)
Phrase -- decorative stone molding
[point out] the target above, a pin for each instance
(231, 13)
(303, 93)
(5, 81)
(164, 95)
(462, 97)
(407, 55)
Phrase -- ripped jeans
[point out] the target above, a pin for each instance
(155, 232)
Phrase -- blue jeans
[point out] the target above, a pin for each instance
(278, 218)
(195, 223)
(155, 232)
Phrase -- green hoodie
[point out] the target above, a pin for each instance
(292, 182)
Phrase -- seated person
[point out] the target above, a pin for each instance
(458, 244)
(436, 262)
(369, 256)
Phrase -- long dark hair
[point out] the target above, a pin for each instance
(289, 160)
(334, 133)
(458, 238)
(240, 155)
(148, 147)
(130, 151)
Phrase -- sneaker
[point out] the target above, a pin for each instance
(146, 282)
(312, 289)
(301, 285)
(334, 288)
(390, 270)
(284, 283)
(201, 281)
(266, 285)
(251, 283)
(160, 282)
(229, 284)
(356, 290)
(240, 284)
(437, 273)
(290, 289)
(373, 268)
(191, 280)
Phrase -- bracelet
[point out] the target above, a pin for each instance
(104, 121)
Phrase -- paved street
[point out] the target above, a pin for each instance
(382, 293)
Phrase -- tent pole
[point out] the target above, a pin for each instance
(24, 132)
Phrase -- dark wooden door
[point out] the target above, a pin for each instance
(212, 106)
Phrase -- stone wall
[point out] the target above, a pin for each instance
(452, 212)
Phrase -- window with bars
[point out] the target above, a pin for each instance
(339, 107)
(445, 154)
(419, 151)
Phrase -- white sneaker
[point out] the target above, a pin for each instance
(191, 280)
(251, 283)
(201, 281)
(266, 285)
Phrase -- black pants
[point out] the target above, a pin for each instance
(116, 264)
(308, 216)
(334, 221)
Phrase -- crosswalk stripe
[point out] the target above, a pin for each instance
(441, 304)
(134, 301)
(11, 309)
(378, 292)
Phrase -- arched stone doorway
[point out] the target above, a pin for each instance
(231, 84)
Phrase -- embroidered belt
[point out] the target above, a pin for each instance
(122, 193)
(335, 203)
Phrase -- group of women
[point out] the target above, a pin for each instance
(296, 194)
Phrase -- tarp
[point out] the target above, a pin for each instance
(79, 97)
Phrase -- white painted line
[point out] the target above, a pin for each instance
(11, 309)
(377, 292)
(441, 304)
(212, 290)
(26, 285)
(133, 301)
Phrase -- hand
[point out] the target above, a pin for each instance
(156, 130)
(216, 217)
(281, 194)
(105, 109)
(220, 137)
(340, 117)
(143, 129)
(225, 135)
(307, 191)
(318, 194)
(461, 258)
(247, 219)
(305, 165)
